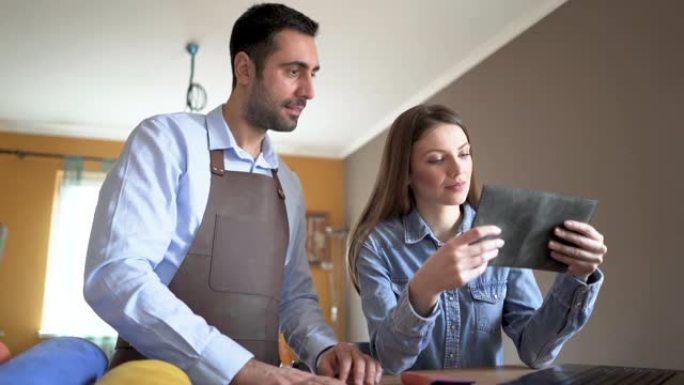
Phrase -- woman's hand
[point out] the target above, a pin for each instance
(460, 260)
(585, 252)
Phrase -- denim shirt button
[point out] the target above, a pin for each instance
(451, 298)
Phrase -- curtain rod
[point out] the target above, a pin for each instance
(22, 154)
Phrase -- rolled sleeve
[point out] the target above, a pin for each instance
(220, 361)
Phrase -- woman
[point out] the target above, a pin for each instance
(429, 298)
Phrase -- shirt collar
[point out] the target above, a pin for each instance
(416, 229)
(221, 138)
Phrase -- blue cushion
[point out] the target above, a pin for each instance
(58, 361)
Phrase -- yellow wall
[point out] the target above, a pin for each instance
(27, 189)
(323, 183)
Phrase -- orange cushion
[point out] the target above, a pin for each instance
(5, 353)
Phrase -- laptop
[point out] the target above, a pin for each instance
(603, 375)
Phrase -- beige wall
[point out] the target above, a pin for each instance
(588, 102)
(360, 170)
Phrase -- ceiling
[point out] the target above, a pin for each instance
(95, 68)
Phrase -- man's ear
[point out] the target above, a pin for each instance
(245, 70)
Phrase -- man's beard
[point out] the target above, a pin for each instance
(262, 111)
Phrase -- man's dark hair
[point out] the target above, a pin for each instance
(254, 32)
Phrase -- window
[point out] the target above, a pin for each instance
(72, 219)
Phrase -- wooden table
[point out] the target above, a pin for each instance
(484, 376)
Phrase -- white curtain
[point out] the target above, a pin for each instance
(65, 312)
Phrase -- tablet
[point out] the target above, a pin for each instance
(527, 219)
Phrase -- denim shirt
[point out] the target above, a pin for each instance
(464, 328)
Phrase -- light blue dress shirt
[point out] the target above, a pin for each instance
(150, 207)
(464, 329)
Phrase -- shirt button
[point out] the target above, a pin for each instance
(578, 304)
(451, 298)
(452, 327)
(496, 296)
(451, 355)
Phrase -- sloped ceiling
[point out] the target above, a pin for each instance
(95, 68)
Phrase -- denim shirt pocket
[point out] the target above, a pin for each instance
(487, 301)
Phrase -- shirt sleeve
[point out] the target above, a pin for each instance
(397, 333)
(134, 223)
(301, 319)
(539, 329)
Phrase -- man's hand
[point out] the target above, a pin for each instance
(258, 373)
(346, 362)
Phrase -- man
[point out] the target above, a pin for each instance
(196, 254)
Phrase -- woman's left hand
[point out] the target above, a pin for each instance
(585, 251)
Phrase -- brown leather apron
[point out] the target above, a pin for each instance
(233, 271)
